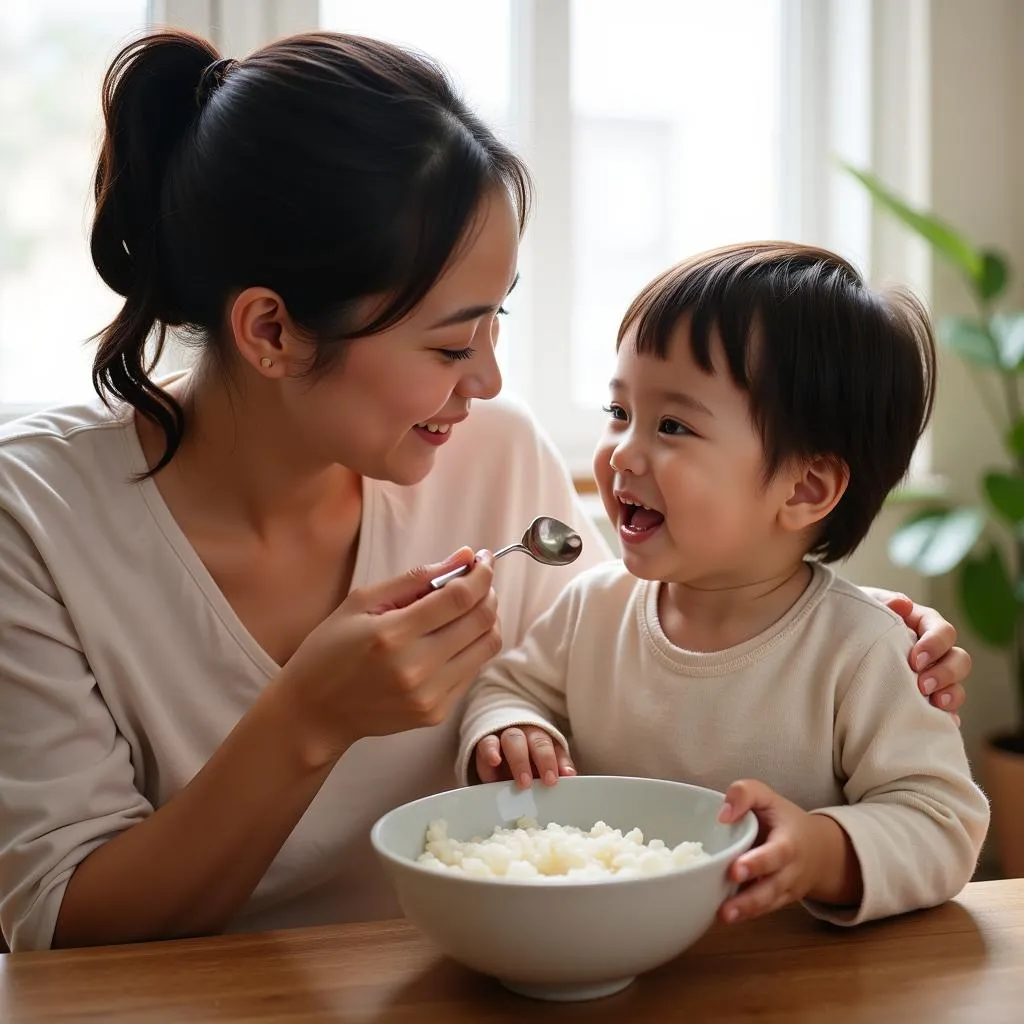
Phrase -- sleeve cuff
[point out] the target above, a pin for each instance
(872, 902)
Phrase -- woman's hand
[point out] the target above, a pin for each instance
(394, 656)
(941, 666)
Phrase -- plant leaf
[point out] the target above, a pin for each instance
(1006, 493)
(945, 239)
(919, 493)
(988, 598)
(936, 541)
(1008, 330)
(995, 272)
(1015, 439)
(967, 337)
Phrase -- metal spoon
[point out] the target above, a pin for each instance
(546, 540)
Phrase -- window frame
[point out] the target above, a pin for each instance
(814, 33)
(847, 114)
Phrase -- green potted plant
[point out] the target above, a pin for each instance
(981, 542)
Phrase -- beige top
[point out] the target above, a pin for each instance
(123, 667)
(823, 707)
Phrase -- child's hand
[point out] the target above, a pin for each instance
(784, 865)
(522, 753)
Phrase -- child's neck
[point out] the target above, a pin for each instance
(716, 617)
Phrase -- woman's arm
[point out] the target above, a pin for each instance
(85, 859)
(189, 867)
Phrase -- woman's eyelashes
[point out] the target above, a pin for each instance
(455, 354)
(467, 351)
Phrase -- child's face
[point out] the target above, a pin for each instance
(683, 443)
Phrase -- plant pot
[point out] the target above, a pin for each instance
(1003, 776)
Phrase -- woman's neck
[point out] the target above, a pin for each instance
(236, 459)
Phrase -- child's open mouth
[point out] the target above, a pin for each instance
(638, 522)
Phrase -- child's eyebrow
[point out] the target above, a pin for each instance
(682, 398)
(672, 397)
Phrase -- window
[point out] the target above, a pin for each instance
(53, 54)
(675, 128)
(471, 39)
(653, 128)
(474, 42)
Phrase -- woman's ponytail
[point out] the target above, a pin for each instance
(151, 99)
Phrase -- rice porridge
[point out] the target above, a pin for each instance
(553, 852)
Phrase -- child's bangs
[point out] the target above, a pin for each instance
(715, 296)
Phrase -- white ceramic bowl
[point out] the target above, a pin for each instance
(565, 940)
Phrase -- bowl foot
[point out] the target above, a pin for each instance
(567, 993)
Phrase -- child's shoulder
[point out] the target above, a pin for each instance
(860, 616)
(867, 645)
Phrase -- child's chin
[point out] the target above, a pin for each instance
(642, 568)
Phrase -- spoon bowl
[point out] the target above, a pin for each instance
(547, 540)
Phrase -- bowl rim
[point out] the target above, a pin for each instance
(743, 842)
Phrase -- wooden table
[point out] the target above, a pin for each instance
(963, 962)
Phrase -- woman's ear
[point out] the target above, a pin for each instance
(817, 486)
(264, 334)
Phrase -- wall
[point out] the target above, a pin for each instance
(977, 183)
(973, 139)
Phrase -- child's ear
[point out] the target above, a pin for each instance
(817, 486)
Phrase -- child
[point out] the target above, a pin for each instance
(764, 404)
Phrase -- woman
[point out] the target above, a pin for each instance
(215, 668)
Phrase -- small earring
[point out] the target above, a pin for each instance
(266, 362)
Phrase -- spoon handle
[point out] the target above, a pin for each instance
(439, 581)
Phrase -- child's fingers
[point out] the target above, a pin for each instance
(565, 765)
(488, 759)
(763, 897)
(745, 795)
(773, 856)
(517, 754)
(542, 752)
(489, 751)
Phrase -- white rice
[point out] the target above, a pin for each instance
(554, 852)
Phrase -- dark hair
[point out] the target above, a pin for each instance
(325, 167)
(832, 368)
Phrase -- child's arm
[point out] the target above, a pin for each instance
(914, 817)
(523, 687)
(910, 834)
(800, 856)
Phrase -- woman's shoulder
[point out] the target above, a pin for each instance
(57, 450)
(60, 424)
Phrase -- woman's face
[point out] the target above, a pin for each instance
(395, 397)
